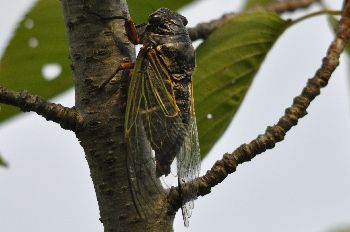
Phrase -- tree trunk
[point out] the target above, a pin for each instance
(98, 45)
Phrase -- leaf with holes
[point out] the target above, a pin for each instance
(226, 64)
(37, 57)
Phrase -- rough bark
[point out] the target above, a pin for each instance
(97, 46)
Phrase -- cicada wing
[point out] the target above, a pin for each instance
(188, 167)
(134, 101)
(151, 113)
(137, 158)
(162, 118)
(175, 135)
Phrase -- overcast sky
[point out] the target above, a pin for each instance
(301, 185)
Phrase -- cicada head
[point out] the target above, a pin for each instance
(166, 22)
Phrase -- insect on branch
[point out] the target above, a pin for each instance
(68, 118)
(274, 134)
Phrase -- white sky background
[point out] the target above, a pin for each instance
(301, 185)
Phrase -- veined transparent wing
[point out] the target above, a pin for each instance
(152, 103)
(188, 167)
(152, 109)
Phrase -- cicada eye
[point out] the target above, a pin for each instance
(154, 18)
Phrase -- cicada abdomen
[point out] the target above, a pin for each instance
(160, 99)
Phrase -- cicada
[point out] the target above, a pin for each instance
(160, 98)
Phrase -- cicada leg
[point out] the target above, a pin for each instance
(130, 26)
(133, 35)
(121, 67)
(132, 32)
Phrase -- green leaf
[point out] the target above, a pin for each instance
(40, 40)
(3, 163)
(333, 22)
(140, 10)
(226, 64)
(251, 3)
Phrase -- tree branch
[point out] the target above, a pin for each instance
(203, 30)
(287, 5)
(227, 165)
(68, 118)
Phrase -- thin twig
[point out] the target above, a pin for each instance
(68, 118)
(227, 165)
(289, 5)
(316, 13)
(203, 30)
